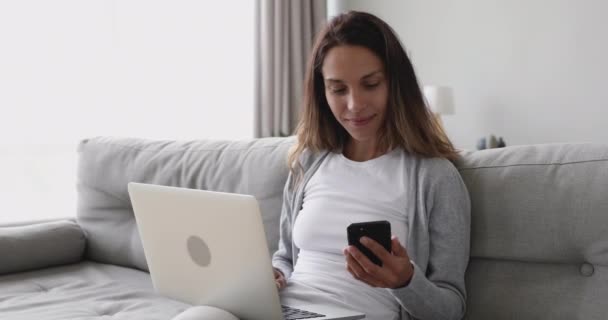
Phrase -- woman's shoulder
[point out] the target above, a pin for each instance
(438, 175)
(308, 157)
(433, 168)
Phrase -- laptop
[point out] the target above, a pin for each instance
(209, 248)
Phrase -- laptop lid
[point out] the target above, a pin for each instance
(207, 248)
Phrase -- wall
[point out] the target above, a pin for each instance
(530, 71)
(72, 69)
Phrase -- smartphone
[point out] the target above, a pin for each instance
(380, 231)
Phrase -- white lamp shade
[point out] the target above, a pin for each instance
(440, 99)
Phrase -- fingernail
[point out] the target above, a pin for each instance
(363, 240)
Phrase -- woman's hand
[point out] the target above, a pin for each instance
(279, 279)
(396, 270)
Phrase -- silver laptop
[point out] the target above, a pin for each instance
(209, 248)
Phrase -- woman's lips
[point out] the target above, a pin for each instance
(359, 122)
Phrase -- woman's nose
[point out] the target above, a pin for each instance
(356, 102)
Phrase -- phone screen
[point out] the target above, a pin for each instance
(380, 231)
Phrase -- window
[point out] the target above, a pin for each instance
(72, 69)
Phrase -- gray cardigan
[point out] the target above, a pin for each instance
(438, 215)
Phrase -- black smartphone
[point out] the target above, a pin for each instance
(380, 231)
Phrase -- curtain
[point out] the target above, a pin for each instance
(284, 33)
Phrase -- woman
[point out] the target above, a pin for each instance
(369, 149)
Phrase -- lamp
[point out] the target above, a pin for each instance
(441, 101)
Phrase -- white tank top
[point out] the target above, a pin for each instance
(342, 192)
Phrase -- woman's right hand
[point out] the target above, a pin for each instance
(279, 279)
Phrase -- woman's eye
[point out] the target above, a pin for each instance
(371, 85)
(338, 90)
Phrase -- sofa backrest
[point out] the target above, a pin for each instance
(539, 232)
(106, 165)
(539, 227)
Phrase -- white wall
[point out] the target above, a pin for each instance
(530, 71)
(151, 68)
(72, 69)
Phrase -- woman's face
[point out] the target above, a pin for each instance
(356, 89)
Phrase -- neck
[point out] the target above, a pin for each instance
(362, 150)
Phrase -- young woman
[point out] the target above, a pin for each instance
(368, 149)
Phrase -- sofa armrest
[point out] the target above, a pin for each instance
(40, 245)
(37, 221)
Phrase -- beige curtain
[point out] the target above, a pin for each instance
(284, 32)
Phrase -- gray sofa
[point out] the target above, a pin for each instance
(539, 229)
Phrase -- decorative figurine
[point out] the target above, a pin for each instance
(481, 144)
(490, 142)
(501, 143)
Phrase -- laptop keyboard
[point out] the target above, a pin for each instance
(292, 314)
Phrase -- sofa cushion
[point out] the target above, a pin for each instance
(539, 231)
(40, 245)
(86, 290)
(106, 165)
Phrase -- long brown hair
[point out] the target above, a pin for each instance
(409, 123)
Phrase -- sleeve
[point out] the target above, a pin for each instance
(440, 292)
(282, 259)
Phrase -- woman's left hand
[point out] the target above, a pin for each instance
(396, 270)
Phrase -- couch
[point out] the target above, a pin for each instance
(539, 233)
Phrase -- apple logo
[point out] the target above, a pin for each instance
(199, 251)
